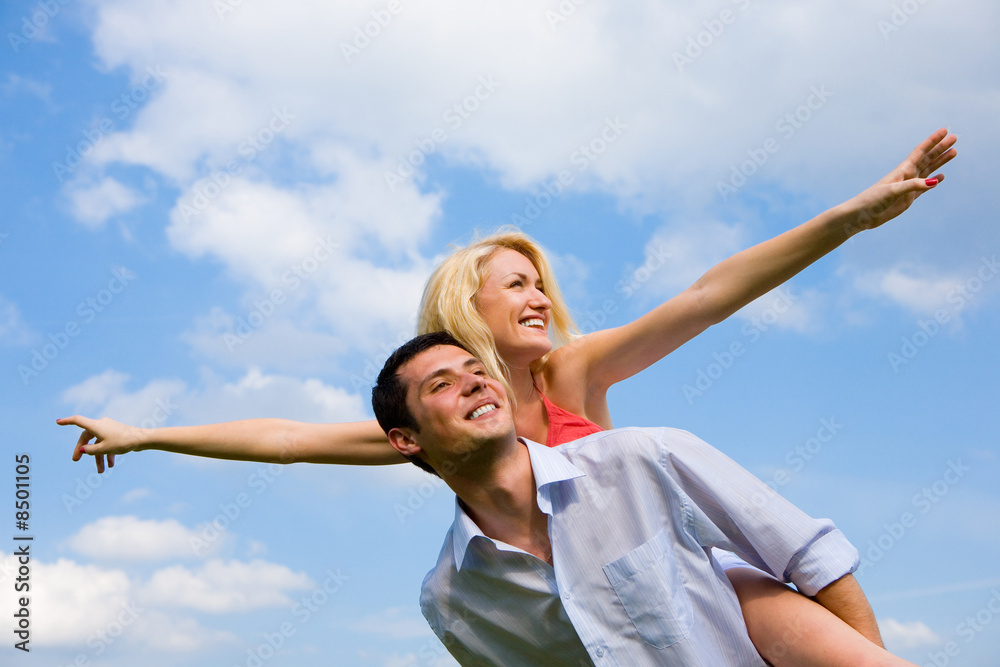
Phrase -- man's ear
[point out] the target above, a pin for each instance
(402, 441)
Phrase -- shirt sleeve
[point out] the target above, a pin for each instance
(734, 510)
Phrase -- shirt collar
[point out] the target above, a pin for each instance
(548, 465)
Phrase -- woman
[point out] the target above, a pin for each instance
(499, 298)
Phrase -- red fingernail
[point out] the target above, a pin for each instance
(931, 182)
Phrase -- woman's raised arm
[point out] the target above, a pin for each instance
(267, 440)
(609, 356)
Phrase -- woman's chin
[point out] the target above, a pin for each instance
(527, 351)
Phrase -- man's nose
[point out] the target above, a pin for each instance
(473, 383)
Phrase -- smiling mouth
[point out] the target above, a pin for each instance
(482, 410)
(533, 323)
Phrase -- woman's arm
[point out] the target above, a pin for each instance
(787, 628)
(609, 356)
(267, 440)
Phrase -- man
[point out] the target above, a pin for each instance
(595, 552)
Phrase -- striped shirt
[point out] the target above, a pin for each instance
(632, 514)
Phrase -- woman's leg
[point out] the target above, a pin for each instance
(787, 628)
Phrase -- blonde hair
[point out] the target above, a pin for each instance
(450, 304)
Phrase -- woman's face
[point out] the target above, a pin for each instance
(512, 301)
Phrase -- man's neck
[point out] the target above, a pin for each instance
(504, 505)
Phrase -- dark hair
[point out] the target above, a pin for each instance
(389, 392)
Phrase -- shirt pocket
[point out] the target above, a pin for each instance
(648, 583)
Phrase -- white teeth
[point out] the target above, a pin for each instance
(533, 322)
(482, 410)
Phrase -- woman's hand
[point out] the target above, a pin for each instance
(893, 194)
(600, 359)
(109, 438)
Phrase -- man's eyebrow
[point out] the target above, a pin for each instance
(468, 363)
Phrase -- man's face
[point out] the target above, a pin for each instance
(457, 406)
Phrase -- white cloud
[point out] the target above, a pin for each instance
(71, 602)
(255, 394)
(918, 289)
(572, 274)
(148, 407)
(91, 608)
(943, 589)
(232, 340)
(442, 659)
(394, 623)
(931, 292)
(347, 252)
(15, 84)
(96, 390)
(128, 538)
(983, 454)
(260, 231)
(899, 636)
(602, 62)
(93, 204)
(677, 256)
(163, 632)
(222, 587)
(13, 330)
(785, 307)
(136, 494)
(524, 117)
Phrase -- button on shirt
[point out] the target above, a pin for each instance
(632, 514)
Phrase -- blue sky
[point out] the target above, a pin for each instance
(227, 210)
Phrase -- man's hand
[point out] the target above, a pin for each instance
(109, 438)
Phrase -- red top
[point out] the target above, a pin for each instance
(564, 426)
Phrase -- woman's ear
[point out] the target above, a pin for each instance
(403, 442)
